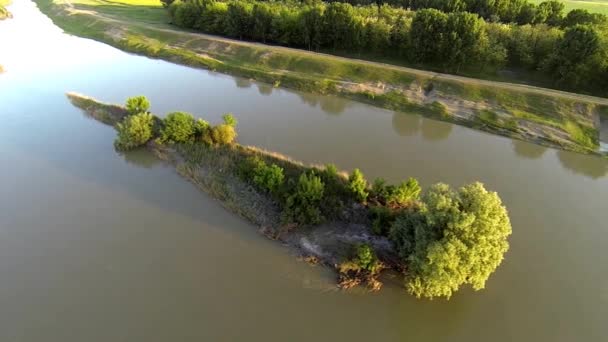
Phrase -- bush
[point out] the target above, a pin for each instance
(404, 193)
(456, 238)
(302, 206)
(201, 130)
(358, 185)
(133, 131)
(269, 178)
(229, 119)
(366, 258)
(178, 127)
(380, 188)
(137, 104)
(223, 134)
(382, 220)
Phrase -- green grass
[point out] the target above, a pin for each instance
(597, 6)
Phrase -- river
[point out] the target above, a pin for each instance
(101, 246)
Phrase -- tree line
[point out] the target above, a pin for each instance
(507, 11)
(572, 55)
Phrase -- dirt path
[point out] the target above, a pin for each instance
(431, 74)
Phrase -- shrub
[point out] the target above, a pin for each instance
(456, 238)
(202, 130)
(269, 178)
(366, 258)
(382, 219)
(358, 185)
(302, 206)
(133, 131)
(223, 134)
(380, 189)
(137, 104)
(229, 119)
(404, 193)
(178, 127)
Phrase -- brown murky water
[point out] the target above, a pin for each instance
(98, 246)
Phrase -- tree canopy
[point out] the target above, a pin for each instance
(456, 238)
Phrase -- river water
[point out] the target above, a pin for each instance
(99, 246)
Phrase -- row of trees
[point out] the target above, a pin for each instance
(140, 126)
(453, 42)
(507, 11)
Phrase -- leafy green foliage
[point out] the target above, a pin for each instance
(229, 119)
(268, 177)
(201, 130)
(302, 206)
(382, 219)
(178, 127)
(137, 104)
(405, 192)
(462, 36)
(456, 238)
(223, 134)
(366, 258)
(358, 185)
(134, 131)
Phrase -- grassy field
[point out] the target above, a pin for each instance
(547, 117)
(596, 6)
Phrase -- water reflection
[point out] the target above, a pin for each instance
(141, 157)
(406, 125)
(435, 130)
(527, 150)
(264, 89)
(590, 166)
(242, 82)
(329, 104)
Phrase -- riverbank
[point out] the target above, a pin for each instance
(546, 117)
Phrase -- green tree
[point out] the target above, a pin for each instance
(302, 206)
(311, 23)
(457, 238)
(404, 193)
(582, 17)
(268, 177)
(465, 40)
(229, 120)
(553, 11)
(572, 62)
(358, 185)
(223, 134)
(134, 131)
(262, 15)
(137, 104)
(339, 25)
(178, 127)
(427, 35)
(239, 21)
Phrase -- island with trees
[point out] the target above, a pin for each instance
(440, 239)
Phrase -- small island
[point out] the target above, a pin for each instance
(440, 239)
